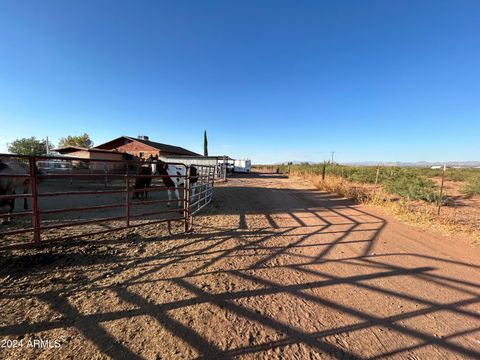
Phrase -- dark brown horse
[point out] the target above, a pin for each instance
(8, 184)
(142, 183)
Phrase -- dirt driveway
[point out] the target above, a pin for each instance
(274, 269)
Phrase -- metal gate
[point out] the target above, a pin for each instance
(75, 197)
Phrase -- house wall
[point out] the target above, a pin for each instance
(98, 166)
(106, 156)
(196, 160)
(80, 154)
(136, 148)
(109, 166)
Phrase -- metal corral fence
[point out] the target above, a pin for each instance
(68, 197)
(222, 164)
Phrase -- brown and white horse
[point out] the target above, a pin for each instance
(174, 177)
(8, 184)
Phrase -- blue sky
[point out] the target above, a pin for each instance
(269, 80)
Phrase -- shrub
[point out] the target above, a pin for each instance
(364, 175)
(409, 182)
(411, 186)
(472, 187)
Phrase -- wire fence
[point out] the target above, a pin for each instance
(425, 184)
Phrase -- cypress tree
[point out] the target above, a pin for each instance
(205, 143)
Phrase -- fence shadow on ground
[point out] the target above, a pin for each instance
(331, 244)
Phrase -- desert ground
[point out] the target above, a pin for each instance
(460, 208)
(273, 269)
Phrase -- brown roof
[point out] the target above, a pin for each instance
(218, 157)
(176, 150)
(69, 149)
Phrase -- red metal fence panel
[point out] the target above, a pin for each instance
(120, 192)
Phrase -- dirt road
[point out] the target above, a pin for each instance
(274, 269)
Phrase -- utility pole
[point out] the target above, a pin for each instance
(46, 144)
(333, 152)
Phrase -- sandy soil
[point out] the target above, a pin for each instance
(459, 210)
(274, 269)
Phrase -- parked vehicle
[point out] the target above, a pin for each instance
(242, 166)
(54, 167)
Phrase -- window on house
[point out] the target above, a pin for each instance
(140, 154)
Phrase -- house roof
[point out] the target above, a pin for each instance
(217, 157)
(159, 146)
(69, 149)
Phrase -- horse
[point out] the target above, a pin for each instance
(142, 183)
(9, 184)
(173, 177)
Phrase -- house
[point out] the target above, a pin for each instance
(92, 154)
(142, 147)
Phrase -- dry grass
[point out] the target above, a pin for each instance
(451, 221)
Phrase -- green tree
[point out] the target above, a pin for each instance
(28, 146)
(205, 143)
(76, 140)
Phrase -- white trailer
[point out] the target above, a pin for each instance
(242, 166)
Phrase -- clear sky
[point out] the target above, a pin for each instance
(269, 80)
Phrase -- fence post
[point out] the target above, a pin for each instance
(224, 168)
(208, 184)
(376, 176)
(105, 171)
(212, 184)
(323, 170)
(34, 186)
(441, 189)
(186, 198)
(127, 199)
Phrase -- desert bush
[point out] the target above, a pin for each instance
(338, 185)
(451, 174)
(411, 183)
(405, 182)
(366, 174)
(472, 187)
(412, 187)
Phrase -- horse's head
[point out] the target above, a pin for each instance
(162, 167)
